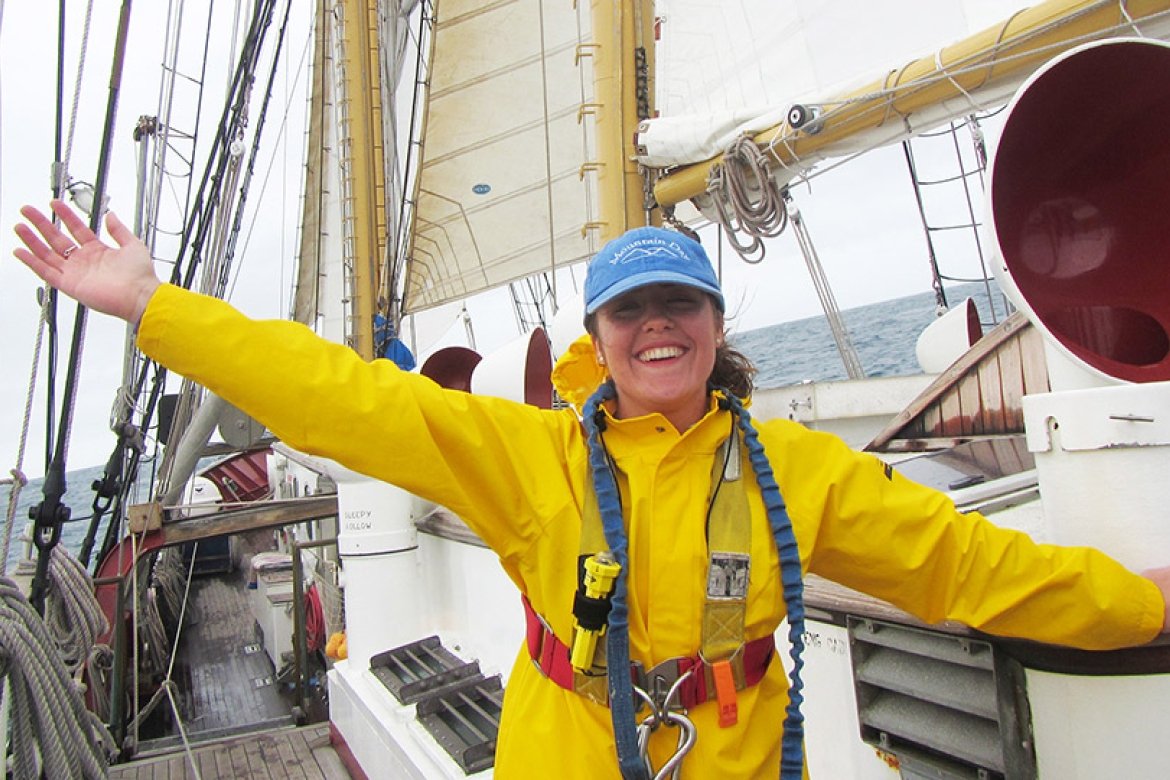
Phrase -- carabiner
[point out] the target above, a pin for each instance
(687, 736)
(665, 714)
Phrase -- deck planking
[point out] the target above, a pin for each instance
(288, 753)
(237, 722)
(226, 684)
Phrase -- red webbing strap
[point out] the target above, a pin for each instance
(551, 656)
(755, 657)
(757, 654)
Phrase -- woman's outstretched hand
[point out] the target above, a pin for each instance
(113, 280)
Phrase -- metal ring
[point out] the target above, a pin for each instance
(68, 252)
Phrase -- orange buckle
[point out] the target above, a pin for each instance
(725, 693)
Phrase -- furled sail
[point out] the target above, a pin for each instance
(911, 93)
(501, 191)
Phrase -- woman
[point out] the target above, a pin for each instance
(652, 471)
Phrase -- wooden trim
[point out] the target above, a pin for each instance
(264, 514)
(974, 396)
(829, 602)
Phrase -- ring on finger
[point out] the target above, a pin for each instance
(68, 252)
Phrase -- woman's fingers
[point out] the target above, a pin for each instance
(55, 240)
(37, 248)
(43, 261)
(77, 228)
(118, 231)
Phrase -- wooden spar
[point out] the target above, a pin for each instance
(1001, 56)
(363, 153)
(262, 514)
(621, 31)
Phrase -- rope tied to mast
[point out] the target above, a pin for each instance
(746, 198)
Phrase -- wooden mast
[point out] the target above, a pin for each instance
(362, 164)
(624, 85)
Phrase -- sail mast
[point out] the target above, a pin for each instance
(362, 163)
(306, 298)
(624, 34)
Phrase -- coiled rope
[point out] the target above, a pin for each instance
(53, 734)
(72, 615)
(746, 198)
(618, 642)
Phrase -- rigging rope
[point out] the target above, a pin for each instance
(53, 734)
(51, 513)
(68, 151)
(19, 480)
(72, 614)
(746, 198)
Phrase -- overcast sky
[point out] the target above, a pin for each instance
(862, 216)
(28, 70)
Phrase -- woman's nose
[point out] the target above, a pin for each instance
(657, 315)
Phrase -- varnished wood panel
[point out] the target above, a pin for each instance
(979, 395)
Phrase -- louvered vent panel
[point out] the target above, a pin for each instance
(947, 706)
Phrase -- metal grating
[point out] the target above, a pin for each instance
(947, 706)
(421, 668)
(456, 704)
(465, 721)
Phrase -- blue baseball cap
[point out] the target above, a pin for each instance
(648, 255)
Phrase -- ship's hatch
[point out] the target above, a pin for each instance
(968, 464)
(455, 703)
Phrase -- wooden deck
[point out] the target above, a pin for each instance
(295, 753)
(226, 683)
(235, 711)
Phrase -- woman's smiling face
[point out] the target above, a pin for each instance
(659, 343)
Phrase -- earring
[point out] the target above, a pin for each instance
(600, 359)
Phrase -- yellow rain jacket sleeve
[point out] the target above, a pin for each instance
(517, 476)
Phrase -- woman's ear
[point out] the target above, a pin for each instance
(597, 351)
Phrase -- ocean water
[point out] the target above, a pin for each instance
(78, 497)
(884, 335)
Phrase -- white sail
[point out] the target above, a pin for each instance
(501, 193)
(751, 56)
(874, 73)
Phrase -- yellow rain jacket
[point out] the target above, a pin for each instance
(517, 476)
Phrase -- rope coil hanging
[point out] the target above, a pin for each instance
(746, 198)
(53, 734)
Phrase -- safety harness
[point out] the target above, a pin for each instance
(725, 663)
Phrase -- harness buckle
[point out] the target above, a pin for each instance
(666, 685)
